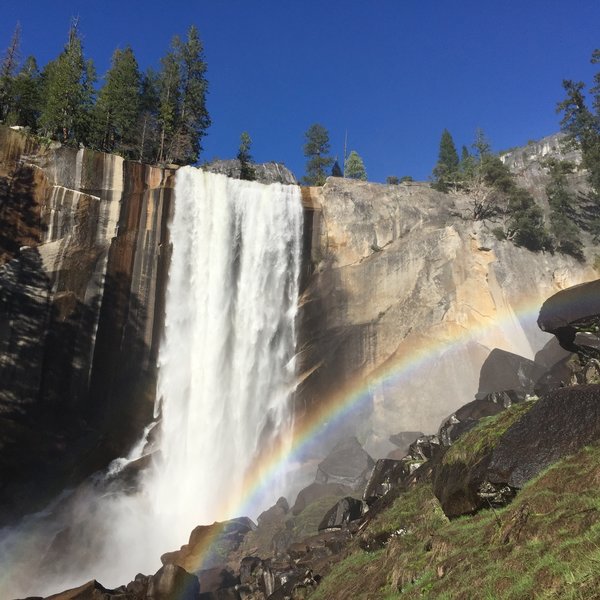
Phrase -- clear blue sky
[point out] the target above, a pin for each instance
(393, 73)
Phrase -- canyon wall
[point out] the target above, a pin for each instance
(407, 298)
(83, 259)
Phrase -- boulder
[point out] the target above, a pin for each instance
(560, 423)
(224, 538)
(171, 582)
(564, 313)
(404, 439)
(386, 475)
(347, 464)
(91, 590)
(315, 491)
(275, 513)
(346, 510)
(504, 370)
(467, 416)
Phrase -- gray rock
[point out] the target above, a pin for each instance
(270, 172)
(171, 582)
(345, 510)
(347, 464)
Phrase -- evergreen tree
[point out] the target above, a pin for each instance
(316, 150)
(26, 97)
(481, 145)
(336, 170)
(193, 119)
(526, 224)
(392, 180)
(118, 108)
(246, 169)
(68, 88)
(168, 93)
(562, 201)
(7, 73)
(148, 129)
(354, 167)
(446, 170)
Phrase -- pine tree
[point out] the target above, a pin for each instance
(192, 119)
(445, 171)
(68, 88)
(26, 97)
(148, 133)
(7, 73)
(354, 167)
(168, 91)
(246, 169)
(117, 111)
(336, 170)
(316, 150)
(562, 202)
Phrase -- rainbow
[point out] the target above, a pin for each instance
(416, 356)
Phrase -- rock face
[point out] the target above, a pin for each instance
(83, 258)
(403, 289)
(270, 172)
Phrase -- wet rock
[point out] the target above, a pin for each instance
(315, 491)
(347, 464)
(404, 439)
(91, 590)
(209, 543)
(504, 370)
(275, 513)
(346, 510)
(466, 417)
(560, 423)
(424, 448)
(215, 579)
(563, 313)
(171, 582)
(386, 475)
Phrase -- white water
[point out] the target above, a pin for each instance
(226, 376)
(227, 365)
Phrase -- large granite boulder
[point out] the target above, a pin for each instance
(560, 423)
(343, 512)
(504, 370)
(564, 314)
(347, 464)
(171, 582)
(209, 544)
(315, 491)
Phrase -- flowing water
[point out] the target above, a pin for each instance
(226, 378)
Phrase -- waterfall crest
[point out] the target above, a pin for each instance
(226, 378)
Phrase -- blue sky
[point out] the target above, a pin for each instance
(393, 73)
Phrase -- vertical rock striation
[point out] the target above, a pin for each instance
(83, 258)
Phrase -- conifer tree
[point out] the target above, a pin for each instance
(68, 93)
(117, 111)
(316, 150)
(7, 72)
(246, 169)
(354, 167)
(445, 171)
(168, 92)
(336, 170)
(148, 128)
(26, 97)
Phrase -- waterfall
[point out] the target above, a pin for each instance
(226, 378)
(226, 367)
